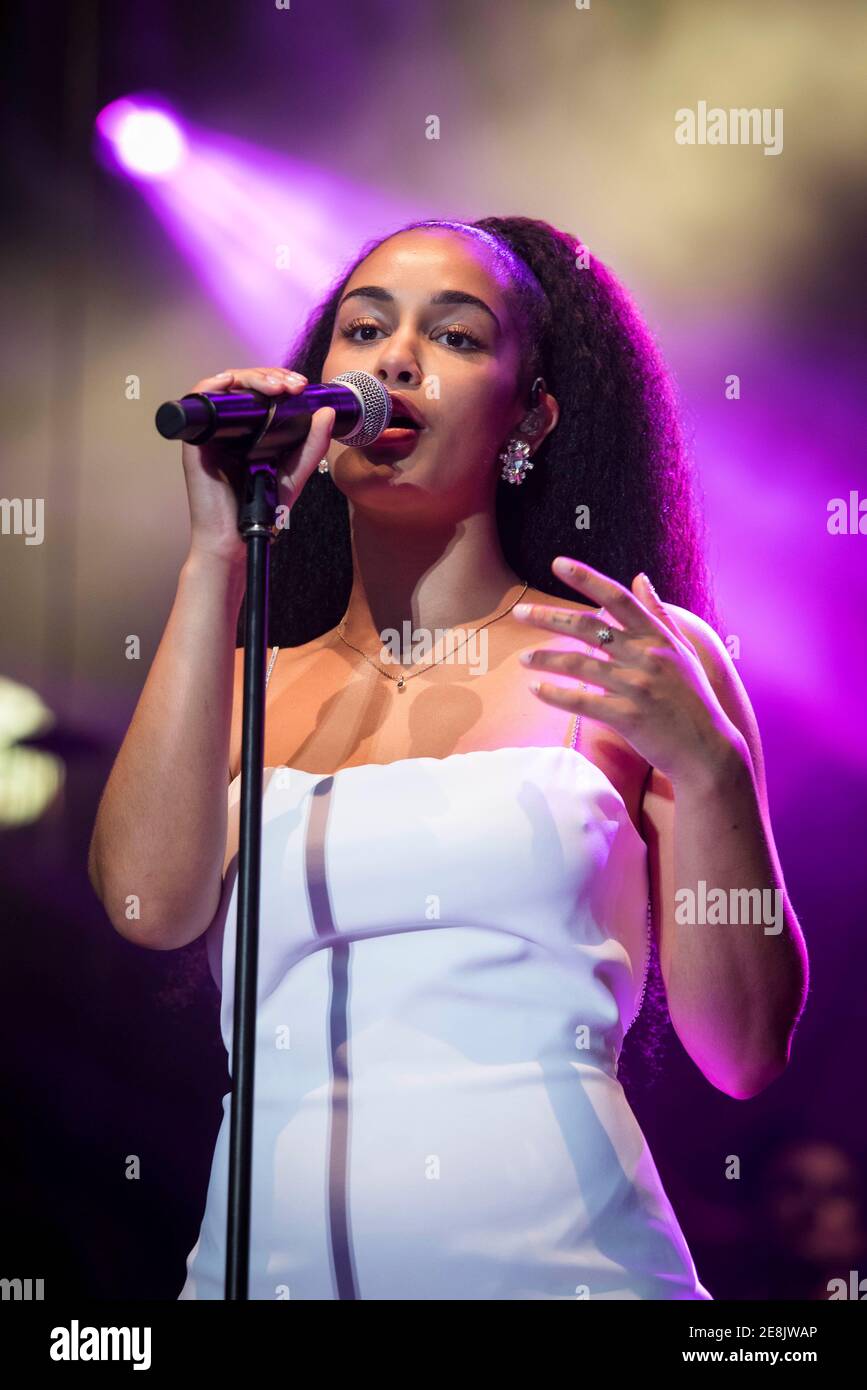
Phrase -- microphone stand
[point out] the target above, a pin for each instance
(362, 422)
(256, 523)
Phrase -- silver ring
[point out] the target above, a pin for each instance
(604, 636)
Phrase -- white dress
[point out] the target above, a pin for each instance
(451, 951)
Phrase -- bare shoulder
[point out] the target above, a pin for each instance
(290, 656)
(281, 663)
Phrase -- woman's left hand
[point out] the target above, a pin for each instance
(657, 694)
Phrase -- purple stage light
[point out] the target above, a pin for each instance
(265, 233)
(146, 140)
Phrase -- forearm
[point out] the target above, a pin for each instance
(734, 961)
(160, 831)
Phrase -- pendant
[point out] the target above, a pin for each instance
(401, 683)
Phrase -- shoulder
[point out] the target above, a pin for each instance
(287, 656)
(281, 666)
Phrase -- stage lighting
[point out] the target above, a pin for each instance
(146, 141)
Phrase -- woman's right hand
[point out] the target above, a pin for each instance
(214, 476)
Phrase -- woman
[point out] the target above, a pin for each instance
(458, 900)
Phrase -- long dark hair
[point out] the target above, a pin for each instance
(618, 450)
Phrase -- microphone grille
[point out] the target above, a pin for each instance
(375, 405)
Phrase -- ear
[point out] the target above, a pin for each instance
(539, 421)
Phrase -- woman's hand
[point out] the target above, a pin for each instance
(214, 476)
(657, 695)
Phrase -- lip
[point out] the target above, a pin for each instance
(392, 445)
(400, 405)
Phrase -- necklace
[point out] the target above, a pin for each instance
(402, 679)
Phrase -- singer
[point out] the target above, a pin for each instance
(464, 874)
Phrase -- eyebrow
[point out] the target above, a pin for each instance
(444, 297)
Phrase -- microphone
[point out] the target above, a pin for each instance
(361, 404)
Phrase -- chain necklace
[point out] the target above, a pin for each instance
(402, 678)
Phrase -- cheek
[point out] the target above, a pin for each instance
(332, 366)
(481, 415)
(475, 434)
(342, 356)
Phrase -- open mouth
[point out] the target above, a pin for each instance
(402, 421)
(405, 428)
(405, 415)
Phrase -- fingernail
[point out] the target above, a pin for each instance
(221, 376)
(521, 610)
(274, 380)
(525, 658)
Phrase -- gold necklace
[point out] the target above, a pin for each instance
(402, 679)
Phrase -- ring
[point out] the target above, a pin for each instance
(604, 636)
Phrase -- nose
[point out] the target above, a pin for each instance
(397, 364)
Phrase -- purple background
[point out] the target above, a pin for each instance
(742, 263)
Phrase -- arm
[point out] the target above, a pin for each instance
(160, 831)
(668, 686)
(159, 840)
(735, 992)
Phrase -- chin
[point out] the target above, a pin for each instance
(401, 489)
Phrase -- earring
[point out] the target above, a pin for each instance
(515, 458)
(323, 465)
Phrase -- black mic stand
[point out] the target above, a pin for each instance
(194, 418)
(256, 523)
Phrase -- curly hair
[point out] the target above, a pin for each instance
(618, 449)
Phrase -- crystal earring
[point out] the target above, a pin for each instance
(323, 465)
(515, 458)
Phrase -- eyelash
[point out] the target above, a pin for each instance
(459, 329)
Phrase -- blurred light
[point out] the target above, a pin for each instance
(29, 778)
(23, 714)
(147, 142)
(29, 782)
(266, 234)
